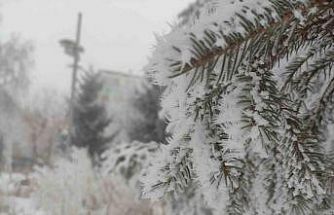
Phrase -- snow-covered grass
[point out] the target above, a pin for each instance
(72, 187)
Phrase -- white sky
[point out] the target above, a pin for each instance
(116, 34)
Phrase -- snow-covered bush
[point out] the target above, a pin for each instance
(127, 160)
(71, 186)
(249, 97)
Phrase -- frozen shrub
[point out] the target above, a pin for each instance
(70, 187)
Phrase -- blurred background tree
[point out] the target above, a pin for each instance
(45, 116)
(15, 64)
(91, 118)
(150, 127)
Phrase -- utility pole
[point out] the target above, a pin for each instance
(74, 74)
(73, 49)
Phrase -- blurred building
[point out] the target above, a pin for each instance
(118, 95)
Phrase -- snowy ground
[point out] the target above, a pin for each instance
(15, 195)
(23, 206)
(71, 187)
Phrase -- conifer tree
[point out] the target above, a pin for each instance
(249, 96)
(90, 118)
(149, 127)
